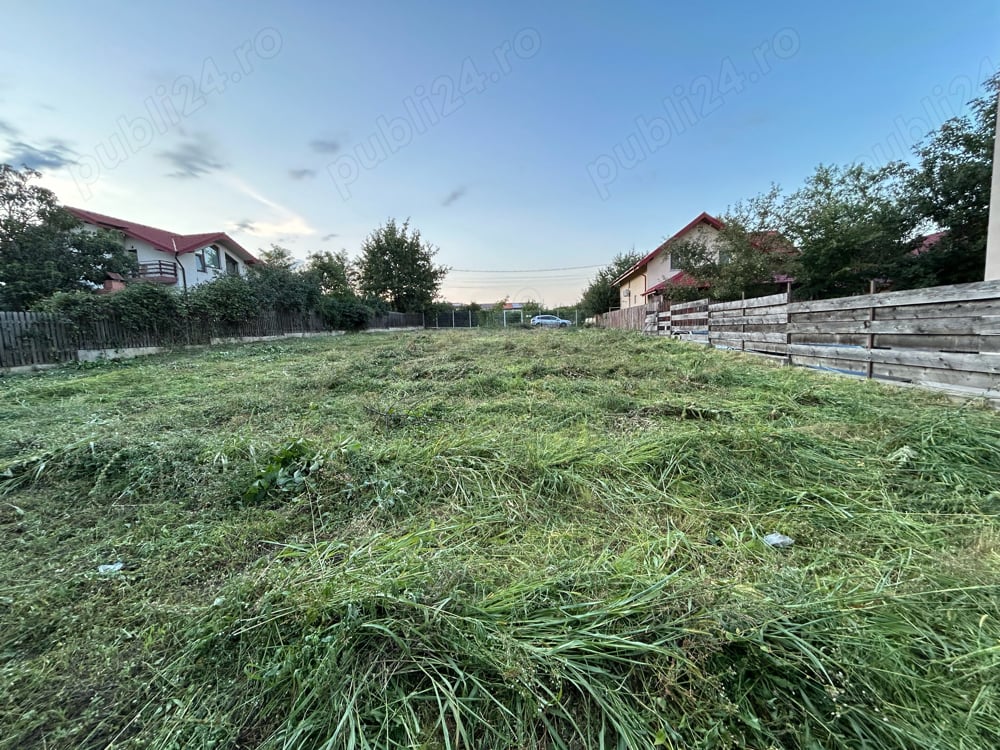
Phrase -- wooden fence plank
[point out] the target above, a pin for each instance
(772, 338)
(771, 299)
(955, 293)
(985, 363)
(930, 326)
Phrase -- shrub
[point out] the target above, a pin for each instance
(345, 313)
(227, 299)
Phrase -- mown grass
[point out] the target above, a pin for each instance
(544, 539)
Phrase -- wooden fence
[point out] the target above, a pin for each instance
(945, 337)
(628, 318)
(28, 339)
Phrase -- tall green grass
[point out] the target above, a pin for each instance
(526, 540)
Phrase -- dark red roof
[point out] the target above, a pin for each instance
(925, 243)
(681, 279)
(162, 239)
(702, 218)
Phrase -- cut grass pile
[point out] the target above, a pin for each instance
(546, 539)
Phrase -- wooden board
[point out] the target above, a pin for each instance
(983, 363)
(773, 338)
(742, 304)
(981, 290)
(928, 326)
(727, 320)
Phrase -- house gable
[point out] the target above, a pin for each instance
(653, 272)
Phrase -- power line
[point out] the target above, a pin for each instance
(527, 270)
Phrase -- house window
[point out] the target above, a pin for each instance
(199, 262)
(212, 259)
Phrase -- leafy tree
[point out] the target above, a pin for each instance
(602, 294)
(44, 249)
(950, 189)
(745, 258)
(851, 225)
(398, 267)
(332, 272)
(276, 286)
(277, 257)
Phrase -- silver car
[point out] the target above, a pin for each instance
(550, 321)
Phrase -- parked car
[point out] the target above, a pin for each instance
(550, 321)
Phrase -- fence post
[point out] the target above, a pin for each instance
(870, 339)
(743, 324)
(788, 320)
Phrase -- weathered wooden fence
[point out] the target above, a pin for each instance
(943, 336)
(946, 337)
(628, 318)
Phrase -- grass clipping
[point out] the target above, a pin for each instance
(406, 543)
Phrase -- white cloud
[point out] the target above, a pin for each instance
(281, 221)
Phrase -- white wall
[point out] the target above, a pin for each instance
(703, 233)
(146, 253)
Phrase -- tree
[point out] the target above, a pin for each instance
(277, 257)
(602, 294)
(44, 249)
(278, 287)
(950, 189)
(332, 272)
(748, 254)
(851, 225)
(398, 267)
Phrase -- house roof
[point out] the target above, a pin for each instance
(163, 239)
(702, 218)
(926, 242)
(682, 278)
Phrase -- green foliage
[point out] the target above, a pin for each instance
(277, 257)
(226, 299)
(345, 313)
(950, 189)
(281, 289)
(555, 543)
(286, 471)
(398, 267)
(43, 249)
(746, 255)
(602, 294)
(139, 307)
(851, 226)
(332, 273)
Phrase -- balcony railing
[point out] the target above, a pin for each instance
(160, 271)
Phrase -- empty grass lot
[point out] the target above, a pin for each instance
(525, 539)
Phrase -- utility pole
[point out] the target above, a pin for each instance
(993, 233)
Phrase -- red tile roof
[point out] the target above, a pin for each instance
(681, 279)
(162, 239)
(925, 243)
(702, 218)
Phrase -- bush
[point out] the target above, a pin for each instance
(227, 299)
(345, 313)
(142, 306)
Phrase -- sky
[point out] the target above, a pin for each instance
(529, 142)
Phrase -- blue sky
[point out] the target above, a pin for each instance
(517, 136)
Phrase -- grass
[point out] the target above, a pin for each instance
(546, 539)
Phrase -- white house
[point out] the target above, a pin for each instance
(653, 273)
(165, 257)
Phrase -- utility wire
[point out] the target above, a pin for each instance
(527, 270)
